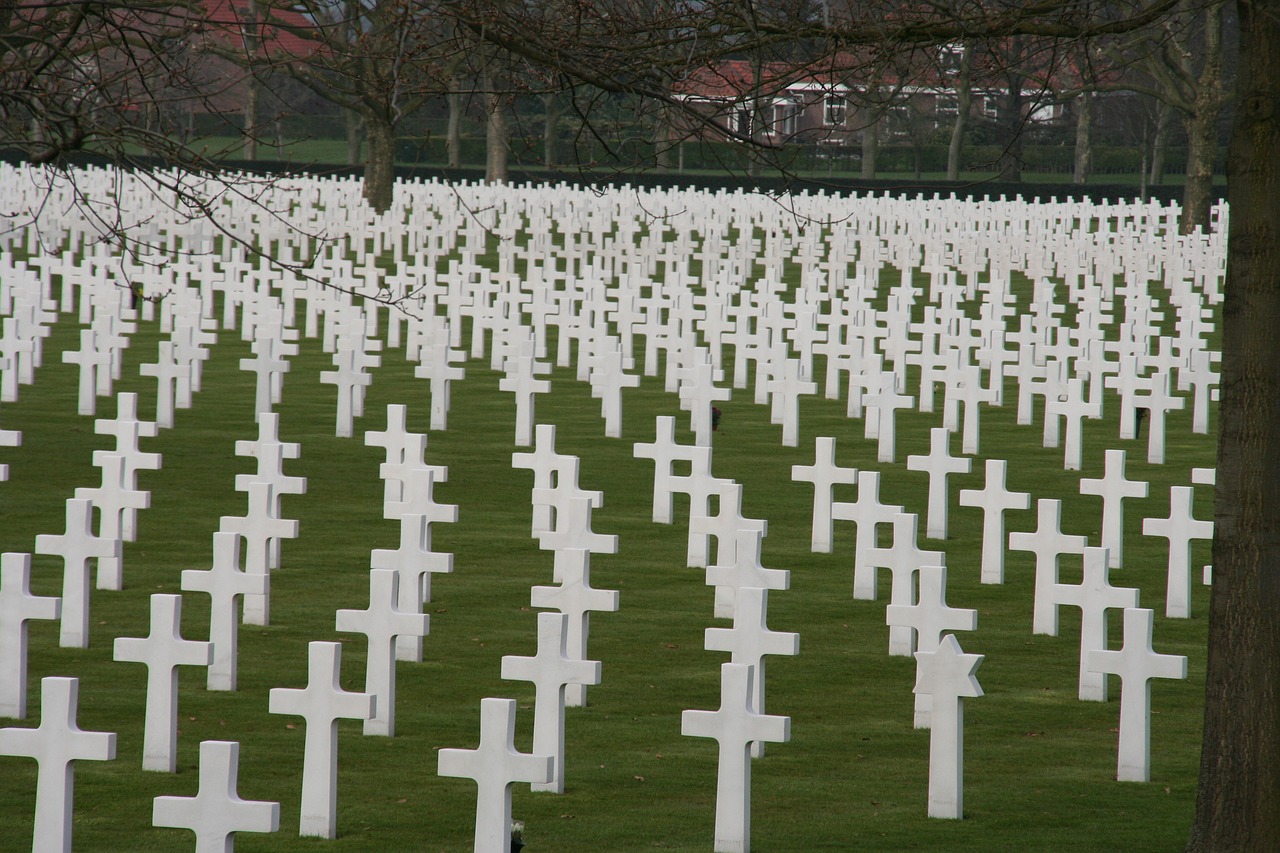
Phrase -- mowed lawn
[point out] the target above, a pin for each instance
(1039, 765)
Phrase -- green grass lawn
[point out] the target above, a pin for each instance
(1039, 765)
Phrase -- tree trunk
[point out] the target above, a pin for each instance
(1164, 117)
(870, 147)
(964, 104)
(1202, 149)
(253, 88)
(253, 85)
(663, 140)
(379, 167)
(353, 125)
(1012, 126)
(1238, 799)
(551, 130)
(453, 132)
(496, 136)
(1084, 138)
(1202, 129)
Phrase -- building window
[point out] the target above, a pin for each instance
(784, 118)
(991, 107)
(742, 121)
(947, 105)
(834, 109)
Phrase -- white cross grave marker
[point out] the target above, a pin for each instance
(928, 619)
(735, 726)
(1048, 543)
(321, 703)
(216, 812)
(77, 546)
(938, 464)
(1136, 664)
(749, 640)
(576, 598)
(825, 475)
(225, 583)
(495, 766)
(994, 499)
(1113, 488)
(1094, 595)
(1180, 528)
(382, 622)
(163, 651)
(551, 670)
(17, 607)
(54, 744)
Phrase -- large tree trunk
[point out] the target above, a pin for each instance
(870, 146)
(663, 139)
(1164, 117)
(252, 84)
(964, 105)
(1238, 801)
(1011, 125)
(453, 132)
(354, 127)
(551, 129)
(1202, 129)
(496, 135)
(1084, 138)
(379, 166)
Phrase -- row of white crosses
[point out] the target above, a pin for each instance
(559, 670)
(918, 615)
(742, 584)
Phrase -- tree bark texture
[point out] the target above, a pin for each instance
(1238, 800)
(379, 166)
(964, 103)
(870, 145)
(1084, 138)
(1202, 127)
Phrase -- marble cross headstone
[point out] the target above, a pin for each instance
(163, 651)
(495, 766)
(1048, 543)
(928, 619)
(903, 559)
(1180, 528)
(735, 726)
(576, 598)
(939, 464)
(112, 500)
(258, 527)
(745, 571)
(521, 380)
(550, 670)
(1113, 488)
(382, 622)
(825, 475)
(994, 499)
(414, 562)
(1094, 595)
(55, 744)
(321, 703)
(868, 514)
(1136, 663)
(947, 676)
(750, 640)
(216, 812)
(17, 607)
(225, 583)
(77, 546)
(665, 453)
